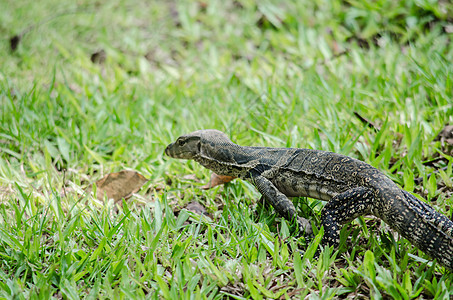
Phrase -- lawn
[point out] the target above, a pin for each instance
(89, 88)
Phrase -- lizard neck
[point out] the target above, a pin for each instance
(226, 159)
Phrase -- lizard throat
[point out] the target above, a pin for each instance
(225, 160)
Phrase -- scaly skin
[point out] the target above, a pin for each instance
(351, 187)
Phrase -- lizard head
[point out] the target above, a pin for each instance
(192, 145)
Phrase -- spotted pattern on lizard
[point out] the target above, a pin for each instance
(352, 188)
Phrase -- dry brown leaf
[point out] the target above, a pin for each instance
(98, 57)
(119, 185)
(217, 180)
(14, 42)
(196, 208)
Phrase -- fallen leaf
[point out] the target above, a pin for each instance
(98, 57)
(14, 42)
(196, 208)
(119, 185)
(217, 180)
(203, 5)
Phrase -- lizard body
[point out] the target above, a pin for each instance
(352, 188)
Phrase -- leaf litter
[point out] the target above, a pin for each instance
(119, 185)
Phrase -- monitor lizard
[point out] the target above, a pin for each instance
(352, 188)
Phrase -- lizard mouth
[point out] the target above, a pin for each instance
(167, 149)
(170, 151)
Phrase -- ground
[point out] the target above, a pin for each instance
(89, 88)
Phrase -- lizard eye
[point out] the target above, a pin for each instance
(181, 143)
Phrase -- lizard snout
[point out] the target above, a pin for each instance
(167, 150)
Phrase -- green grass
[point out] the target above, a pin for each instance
(270, 74)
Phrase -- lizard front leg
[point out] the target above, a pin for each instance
(342, 209)
(280, 202)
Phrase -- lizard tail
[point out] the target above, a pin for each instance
(437, 241)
